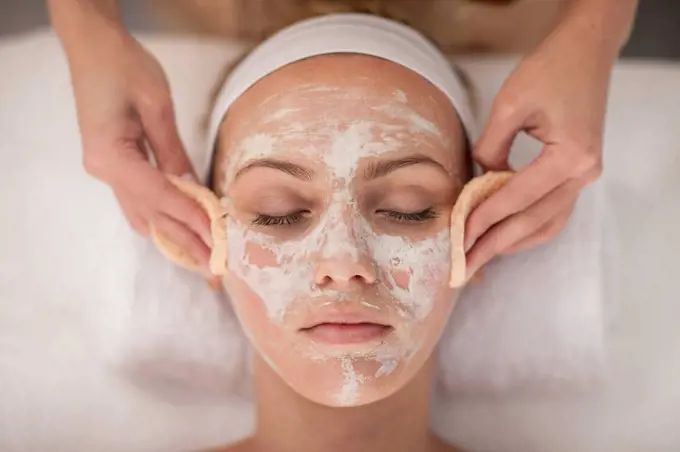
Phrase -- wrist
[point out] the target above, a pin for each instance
(86, 25)
(605, 24)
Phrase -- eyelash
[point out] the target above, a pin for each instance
(284, 220)
(399, 217)
(415, 217)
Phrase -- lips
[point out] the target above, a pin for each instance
(347, 333)
(344, 325)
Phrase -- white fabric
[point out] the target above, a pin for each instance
(66, 298)
(342, 33)
(537, 317)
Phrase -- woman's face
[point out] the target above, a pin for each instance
(339, 173)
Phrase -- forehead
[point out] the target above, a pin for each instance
(312, 103)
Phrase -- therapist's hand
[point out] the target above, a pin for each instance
(558, 96)
(126, 118)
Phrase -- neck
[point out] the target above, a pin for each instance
(287, 422)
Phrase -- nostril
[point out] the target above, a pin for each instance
(345, 272)
(323, 281)
(363, 279)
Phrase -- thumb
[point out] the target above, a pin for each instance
(160, 129)
(493, 147)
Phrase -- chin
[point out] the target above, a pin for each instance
(343, 354)
(346, 380)
(368, 393)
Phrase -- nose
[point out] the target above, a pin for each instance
(345, 272)
(344, 260)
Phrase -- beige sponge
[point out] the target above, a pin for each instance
(473, 194)
(211, 204)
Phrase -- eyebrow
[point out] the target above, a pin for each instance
(290, 168)
(374, 170)
(382, 168)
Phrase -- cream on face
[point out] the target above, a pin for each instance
(345, 250)
(343, 229)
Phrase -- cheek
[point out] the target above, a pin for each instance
(251, 311)
(416, 273)
(433, 325)
(277, 273)
(261, 257)
(267, 337)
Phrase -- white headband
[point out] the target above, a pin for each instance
(342, 33)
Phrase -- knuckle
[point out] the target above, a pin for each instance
(590, 160)
(164, 112)
(589, 156)
(157, 104)
(136, 222)
(481, 157)
(484, 156)
(94, 163)
(522, 227)
(504, 109)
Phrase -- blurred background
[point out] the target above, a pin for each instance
(656, 34)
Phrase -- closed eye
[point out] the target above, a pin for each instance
(410, 217)
(282, 220)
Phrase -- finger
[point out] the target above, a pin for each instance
(109, 163)
(184, 209)
(137, 221)
(148, 187)
(139, 224)
(214, 283)
(519, 226)
(525, 188)
(493, 146)
(160, 129)
(544, 234)
(179, 235)
(478, 277)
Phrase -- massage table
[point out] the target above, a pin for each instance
(57, 393)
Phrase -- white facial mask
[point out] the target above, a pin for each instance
(342, 232)
(293, 276)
